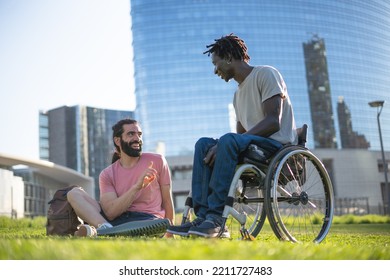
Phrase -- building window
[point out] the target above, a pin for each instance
(35, 200)
(380, 166)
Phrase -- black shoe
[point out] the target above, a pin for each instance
(209, 229)
(183, 229)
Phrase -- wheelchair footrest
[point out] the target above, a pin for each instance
(246, 236)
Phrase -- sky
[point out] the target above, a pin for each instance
(57, 53)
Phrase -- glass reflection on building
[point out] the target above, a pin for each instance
(179, 99)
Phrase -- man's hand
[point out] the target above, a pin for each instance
(149, 175)
(210, 156)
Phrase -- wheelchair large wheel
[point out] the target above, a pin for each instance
(299, 197)
(245, 212)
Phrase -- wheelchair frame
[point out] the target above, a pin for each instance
(292, 190)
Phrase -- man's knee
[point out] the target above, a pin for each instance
(204, 142)
(228, 139)
(75, 193)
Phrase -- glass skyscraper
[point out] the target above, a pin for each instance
(179, 99)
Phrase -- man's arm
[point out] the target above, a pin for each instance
(271, 123)
(113, 206)
(239, 128)
(265, 128)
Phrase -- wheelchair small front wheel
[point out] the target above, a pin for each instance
(244, 212)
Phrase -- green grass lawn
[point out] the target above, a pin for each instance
(350, 238)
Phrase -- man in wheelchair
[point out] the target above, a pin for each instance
(264, 118)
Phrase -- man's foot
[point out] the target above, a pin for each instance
(209, 229)
(86, 231)
(90, 231)
(183, 229)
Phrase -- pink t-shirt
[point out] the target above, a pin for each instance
(118, 179)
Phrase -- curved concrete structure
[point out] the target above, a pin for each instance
(25, 191)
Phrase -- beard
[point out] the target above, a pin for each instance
(130, 151)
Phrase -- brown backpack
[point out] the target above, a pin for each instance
(61, 218)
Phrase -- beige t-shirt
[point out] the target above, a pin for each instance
(262, 83)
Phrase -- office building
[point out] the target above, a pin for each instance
(350, 139)
(179, 99)
(318, 86)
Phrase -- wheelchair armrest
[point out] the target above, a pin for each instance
(302, 135)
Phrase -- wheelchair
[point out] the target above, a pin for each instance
(292, 189)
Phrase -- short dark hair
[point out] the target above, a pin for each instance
(229, 46)
(117, 130)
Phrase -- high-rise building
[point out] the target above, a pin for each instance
(320, 98)
(179, 99)
(80, 138)
(350, 139)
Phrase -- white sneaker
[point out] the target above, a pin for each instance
(104, 226)
(86, 231)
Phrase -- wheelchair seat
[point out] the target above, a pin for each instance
(256, 155)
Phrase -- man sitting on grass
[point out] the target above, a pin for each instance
(135, 187)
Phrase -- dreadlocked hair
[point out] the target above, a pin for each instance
(229, 46)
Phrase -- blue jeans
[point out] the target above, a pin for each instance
(210, 185)
(129, 217)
